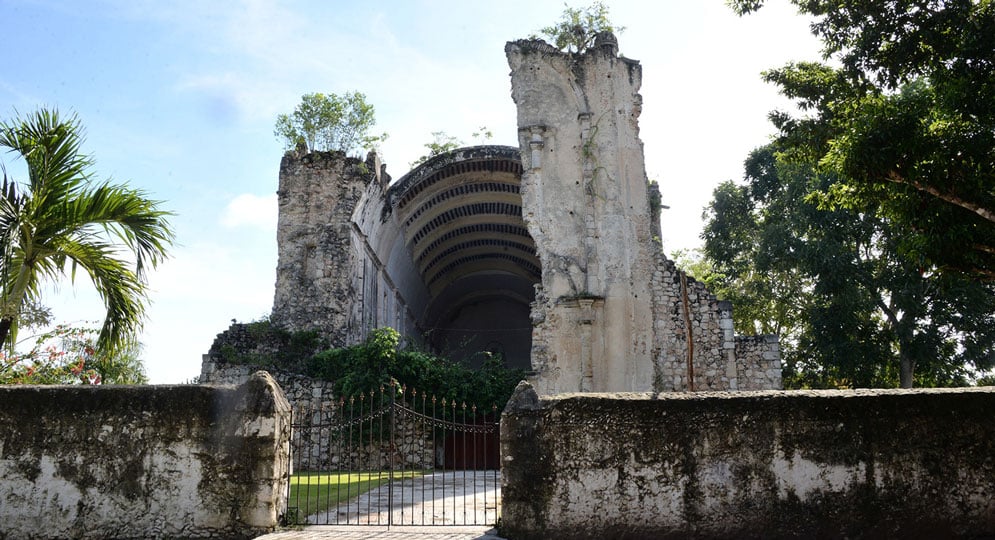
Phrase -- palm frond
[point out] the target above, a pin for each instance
(60, 221)
(121, 290)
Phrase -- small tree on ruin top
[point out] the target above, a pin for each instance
(329, 122)
(577, 28)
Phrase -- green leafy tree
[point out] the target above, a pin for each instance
(851, 309)
(577, 28)
(905, 116)
(62, 219)
(323, 122)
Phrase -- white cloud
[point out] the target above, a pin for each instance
(195, 296)
(249, 210)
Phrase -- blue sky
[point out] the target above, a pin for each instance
(179, 99)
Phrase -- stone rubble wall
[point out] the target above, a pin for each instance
(721, 360)
(758, 363)
(315, 282)
(773, 464)
(321, 447)
(187, 461)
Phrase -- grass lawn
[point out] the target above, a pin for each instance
(313, 492)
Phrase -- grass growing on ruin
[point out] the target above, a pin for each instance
(314, 492)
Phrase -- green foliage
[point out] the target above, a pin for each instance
(905, 117)
(577, 28)
(67, 355)
(323, 122)
(34, 315)
(378, 361)
(442, 143)
(263, 345)
(62, 219)
(834, 282)
(695, 264)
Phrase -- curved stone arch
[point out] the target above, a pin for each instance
(459, 217)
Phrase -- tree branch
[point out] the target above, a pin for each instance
(947, 197)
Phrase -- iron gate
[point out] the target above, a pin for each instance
(394, 456)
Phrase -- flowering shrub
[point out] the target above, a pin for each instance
(64, 355)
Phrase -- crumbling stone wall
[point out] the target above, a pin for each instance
(814, 464)
(690, 319)
(612, 313)
(143, 461)
(316, 282)
(585, 203)
(315, 405)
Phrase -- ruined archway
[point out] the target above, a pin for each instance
(460, 219)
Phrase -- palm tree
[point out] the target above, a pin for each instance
(62, 220)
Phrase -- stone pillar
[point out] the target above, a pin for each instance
(586, 204)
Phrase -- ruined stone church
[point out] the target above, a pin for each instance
(547, 253)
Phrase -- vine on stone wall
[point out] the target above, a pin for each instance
(368, 365)
(380, 359)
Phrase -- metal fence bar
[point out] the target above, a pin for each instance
(411, 459)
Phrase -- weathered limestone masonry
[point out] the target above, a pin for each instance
(322, 267)
(143, 461)
(612, 313)
(816, 464)
(320, 448)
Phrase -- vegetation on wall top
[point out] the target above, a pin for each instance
(380, 359)
(577, 27)
(368, 365)
(323, 122)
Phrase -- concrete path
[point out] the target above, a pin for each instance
(371, 532)
(468, 502)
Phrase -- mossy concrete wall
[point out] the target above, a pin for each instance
(818, 464)
(143, 461)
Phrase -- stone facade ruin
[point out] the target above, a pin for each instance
(547, 253)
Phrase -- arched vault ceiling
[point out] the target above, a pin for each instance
(461, 216)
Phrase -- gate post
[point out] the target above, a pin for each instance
(390, 457)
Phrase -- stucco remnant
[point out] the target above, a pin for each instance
(143, 461)
(813, 464)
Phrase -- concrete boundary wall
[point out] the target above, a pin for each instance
(774, 464)
(143, 461)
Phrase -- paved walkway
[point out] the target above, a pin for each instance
(467, 502)
(365, 532)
